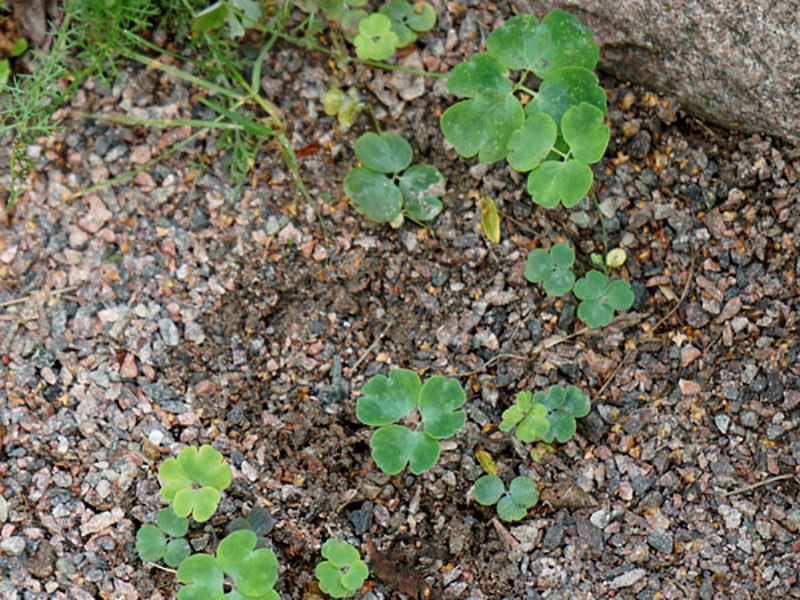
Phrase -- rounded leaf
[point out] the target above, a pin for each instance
(508, 510)
(388, 399)
(330, 580)
(535, 425)
(204, 576)
(253, 571)
(562, 41)
(394, 446)
(564, 88)
(539, 265)
(375, 39)
(205, 466)
(559, 283)
(591, 286)
(511, 43)
(595, 313)
(563, 255)
(150, 543)
(19, 47)
(555, 397)
(384, 152)
(577, 403)
(176, 552)
(350, 21)
(172, 524)
(523, 491)
(619, 294)
(332, 101)
(438, 404)
(530, 144)
(398, 11)
(562, 427)
(488, 489)
(339, 553)
(356, 575)
(422, 186)
(583, 129)
(555, 181)
(511, 416)
(373, 194)
(482, 126)
(482, 75)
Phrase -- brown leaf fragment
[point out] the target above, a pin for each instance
(566, 494)
(396, 575)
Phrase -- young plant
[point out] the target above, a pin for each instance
(343, 573)
(409, 20)
(151, 540)
(259, 521)
(386, 400)
(552, 269)
(252, 572)
(385, 188)
(345, 106)
(512, 504)
(560, 130)
(194, 480)
(600, 297)
(375, 39)
(230, 13)
(546, 417)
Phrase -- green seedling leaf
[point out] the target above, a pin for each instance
(389, 399)
(350, 21)
(511, 44)
(583, 129)
(534, 425)
(211, 17)
(523, 491)
(530, 144)
(150, 543)
(565, 88)
(490, 220)
(554, 181)
(250, 8)
(483, 124)
(601, 297)
(553, 269)
(384, 153)
(332, 101)
(394, 446)
(5, 71)
(508, 510)
(176, 552)
(205, 468)
(253, 571)
(422, 186)
(438, 404)
(488, 489)
(406, 21)
(259, 521)
(19, 47)
(375, 39)
(576, 403)
(204, 576)
(553, 399)
(514, 414)
(562, 41)
(373, 194)
(562, 427)
(561, 407)
(172, 524)
(344, 572)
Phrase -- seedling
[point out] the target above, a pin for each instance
(600, 297)
(512, 505)
(546, 417)
(252, 572)
(151, 540)
(408, 21)
(375, 39)
(387, 400)
(259, 521)
(345, 106)
(343, 573)
(386, 188)
(552, 269)
(559, 132)
(194, 481)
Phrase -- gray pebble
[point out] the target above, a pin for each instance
(749, 419)
(793, 519)
(3, 509)
(661, 540)
(194, 332)
(553, 537)
(169, 332)
(722, 422)
(14, 545)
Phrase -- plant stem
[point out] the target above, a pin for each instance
(527, 90)
(603, 228)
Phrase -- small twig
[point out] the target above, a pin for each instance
(754, 486)
(371, 347)
(47, 294)
(156, 566)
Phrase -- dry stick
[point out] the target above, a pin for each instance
(47, 294)
(650, 333)
(371, 347)
(754, 486)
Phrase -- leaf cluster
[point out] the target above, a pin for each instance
(600, 295)
(193, 481)
(512, 504)
(386, 400)
(386, 187)
(546, 416)
(560, 130)
(236, 15)
(151, 540)
(343, 573)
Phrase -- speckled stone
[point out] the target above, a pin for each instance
(730, 62)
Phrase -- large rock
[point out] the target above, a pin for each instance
(732, 62)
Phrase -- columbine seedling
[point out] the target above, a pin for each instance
(194, 480)
(600, 297)
(343, 573)
(259, 521)
(552, 269)
(387, 400)
(546, 417)
(151, 540)
(560, 130)
(344, 105)
(386, 188)
(512, 505)
(375, 39)
(408, 20)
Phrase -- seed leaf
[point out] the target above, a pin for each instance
(488, 489)
(204, 576)
(373, 194)
(508, 510)
(422, 186)
(539, 265)
(523, 491)
(576, 403)
(384, 152)
(253, 571)
(176, 552)
(150, 543)
(172, 524)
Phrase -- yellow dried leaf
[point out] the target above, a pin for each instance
(616, 258)
(490, 220)
(486, 461)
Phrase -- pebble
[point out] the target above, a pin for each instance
(627, 579)
(194, 332)
(733, 518)
(13, 546)
(169, 332)
(3, 509)
(661, 540)
(722, 422)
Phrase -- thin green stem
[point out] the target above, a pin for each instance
(603, 228)
(527, 90)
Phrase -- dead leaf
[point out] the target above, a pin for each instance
(566, 494)
(490, 220)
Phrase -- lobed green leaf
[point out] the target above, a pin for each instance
(583, 129)
(535, 425)
(530, 144)
(564, 88)
(253, 571)
(340, 554)
(375, 39)
(439, 400)
(554, 181)
(577, 403)
(395, 446)
(388, 399)
(562, 41)
(562, 427)
(204, 576)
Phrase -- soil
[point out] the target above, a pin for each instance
(681, 483)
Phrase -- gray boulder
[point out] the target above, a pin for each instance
(731, 62)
